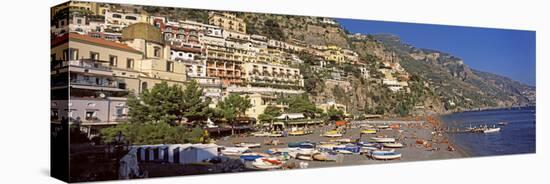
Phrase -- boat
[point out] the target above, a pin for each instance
(304, 144)
(267, 163)
(275, 134)
(382, 139)
(368, 131)
(385, 155)
(234, 151)
(502, 123)
(343, 140)
(382, 126)
(252, 156)
(324, 156)
(392, 145)
(491, 130)
(297, 133)
(261, 134)
(347, 149)
(301, 156)
(248, 145)
(332, 133)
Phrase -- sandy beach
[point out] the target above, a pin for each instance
(409, 136)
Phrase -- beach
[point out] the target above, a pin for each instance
(437, 149)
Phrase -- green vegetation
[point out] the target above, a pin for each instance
(335, 114)
(270, 113)
(156, 116)
(233, 107)
(301, 104)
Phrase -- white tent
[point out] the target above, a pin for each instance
(291, 116)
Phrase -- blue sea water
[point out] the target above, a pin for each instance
(517, 137)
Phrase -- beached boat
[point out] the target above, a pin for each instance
(347, 149)
(304, 144)
(252, 156)
(392, 145)
(385, 155)
(275, 134)
(234, 151)
(297, 133)
(248, 145)
(267, 163)
(368, 131)
(382, 126)
(324, 156)
(491, 130)
(382, 139)
(332, 133)
(261, 134)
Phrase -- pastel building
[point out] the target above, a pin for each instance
(227, 21)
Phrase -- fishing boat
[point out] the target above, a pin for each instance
(304, 144)
(267, 163)
(275, 134)
(491, 130)
(301, 156)
(234, 151)
(382, 139)
(248, 145)
(502, 123)
(368, 131)
(347, 149)
(385, 155)
(392, 145)
(252, 156)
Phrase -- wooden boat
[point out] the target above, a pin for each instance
(308, 157)
(252, 156)
(267, 163)
(347, 149)
(491, 130)
(385, 155)
(248, 145)
(368, 131)
(382, 139)
(304, 144)
(392, 145)
(234, 151)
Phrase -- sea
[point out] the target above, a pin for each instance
(517, 137)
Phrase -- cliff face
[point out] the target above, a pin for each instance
(439, 82)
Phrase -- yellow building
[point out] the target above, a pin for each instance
(260, 102)
(93, 7)
(227, 21)
(335, 54)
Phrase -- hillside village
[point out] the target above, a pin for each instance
(120, 50)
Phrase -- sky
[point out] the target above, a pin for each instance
(510, 53)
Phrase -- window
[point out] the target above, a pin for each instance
(118, 16)
(95, 35)
(79, 21)
(65, 54)
(169, 66)
(131, 18)
(156, 52)
(113, 60)
(143, 87)
(94, 55)
(53, 57)
(91, 115)
(129, 63)
(119, 111)
(73, 54)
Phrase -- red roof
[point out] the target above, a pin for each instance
(98, 41)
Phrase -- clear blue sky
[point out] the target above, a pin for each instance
(510, 53)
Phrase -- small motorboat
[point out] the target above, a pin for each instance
(234, 151)
(332, 133)
(382, 139)
(252, 156)
(382, 126)
(347, 149)
(502, 123)
(248, 145)
(324, 156)
(308, 157)
(392, 145)
(368, 131)
(491, 130)
(267, 163)
(385, 155)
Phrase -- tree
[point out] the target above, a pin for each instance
(270, 113)
(194, 107)
(232, 107)
(301, 104)
(161, 104)
(335, 114)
